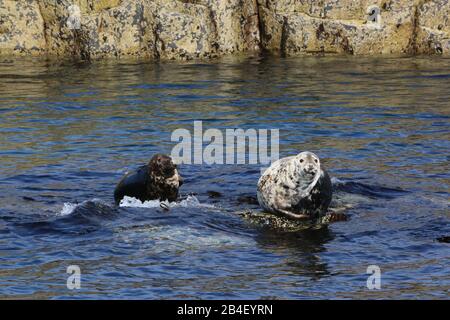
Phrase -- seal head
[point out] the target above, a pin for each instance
(164, 179)
(309, 171)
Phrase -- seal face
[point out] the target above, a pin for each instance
(159, 179)
(295, 187)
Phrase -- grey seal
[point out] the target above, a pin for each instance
(296, 187)
(158, 180)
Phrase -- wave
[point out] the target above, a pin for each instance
(97, 204)
(73, 219)
(68, 208)
(370, 191)
(96, 214)
(189, 202)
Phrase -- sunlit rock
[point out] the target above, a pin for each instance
(326, 27)
(433, 28)
(189, 29)
(21, 28)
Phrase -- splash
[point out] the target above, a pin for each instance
(68, 207)
(135, 203)
(189, 202)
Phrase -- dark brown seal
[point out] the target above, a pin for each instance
(158, 180)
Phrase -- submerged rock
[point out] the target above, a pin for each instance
(271, 221)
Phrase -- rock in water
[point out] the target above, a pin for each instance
(158, 180)
(296, 187)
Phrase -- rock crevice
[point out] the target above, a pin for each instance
(187, 29)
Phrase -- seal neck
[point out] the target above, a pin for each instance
(306, 183)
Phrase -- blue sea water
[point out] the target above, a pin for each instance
(68, 132)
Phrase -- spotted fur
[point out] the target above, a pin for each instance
(295, 187)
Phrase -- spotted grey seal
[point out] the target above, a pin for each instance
(159, 179)
(296, 187)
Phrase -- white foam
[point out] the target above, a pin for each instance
(136, 203)
(67, 208)
(189, 202)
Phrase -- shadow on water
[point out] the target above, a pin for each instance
(300, 249)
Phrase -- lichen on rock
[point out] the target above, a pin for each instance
(433, 28)
(21, 28)
(333, 26)
(188, 29)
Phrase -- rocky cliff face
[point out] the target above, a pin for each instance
(355, 26)
(186, 29)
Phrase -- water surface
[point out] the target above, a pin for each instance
(68, 132)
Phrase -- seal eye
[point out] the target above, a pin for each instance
(301, 160)
(315, 160)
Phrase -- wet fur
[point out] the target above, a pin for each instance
(158, 180)
(287, 189)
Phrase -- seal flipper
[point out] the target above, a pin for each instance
(134, 184)
(292, 215)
